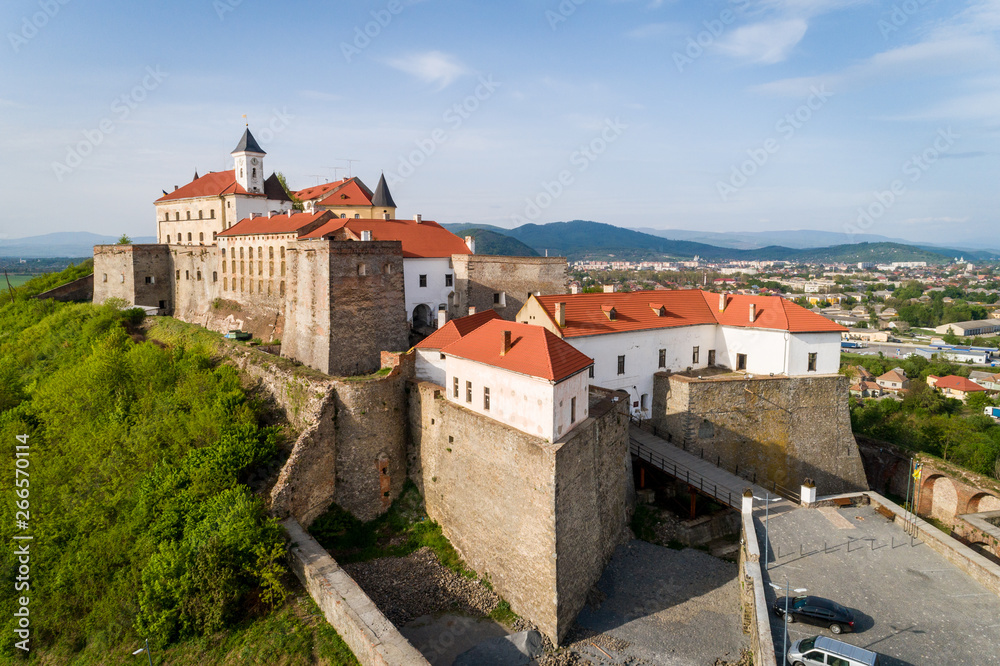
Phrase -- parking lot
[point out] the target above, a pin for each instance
(910, 604)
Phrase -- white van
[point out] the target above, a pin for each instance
(823, 651)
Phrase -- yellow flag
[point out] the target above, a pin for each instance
(916, 473)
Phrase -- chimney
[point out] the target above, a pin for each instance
(416, 218)
(175, 188)
(722, 302)
(442, 317)
(290, 211)
(753, 312)
(561, 314)
(574, 289)
(470, 243)
(472, 309)
(609, 289)
(506, 343)
(385, 216)
(270, 214)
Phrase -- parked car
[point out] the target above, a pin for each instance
(816, 610)
(823, 651)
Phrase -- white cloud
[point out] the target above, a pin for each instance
(435, 67)
(766, 43)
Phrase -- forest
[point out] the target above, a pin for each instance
(138, 490)
(926, 421)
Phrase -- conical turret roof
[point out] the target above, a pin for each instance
(248, 144)
(382, 196)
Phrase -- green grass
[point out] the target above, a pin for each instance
(404, 529)
(504, 615)
(296, 634)
(16, 280)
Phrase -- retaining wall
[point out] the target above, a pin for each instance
(756, 619)
(374, 640)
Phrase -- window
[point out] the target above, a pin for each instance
(572, 410)
(105, 277)
(260, 286)
(241, 284)
(741, 361)
(361, 269)
(270, 252)
(456, 385)
(591, 372)
(496, 299)
(215, 276)
(168, 239)
(663, 358)
(166, 216)
(211, 214)
(225, 284)
(423, 280)
(189, 215)
(621, 364)
(448, 280)
(282, 251)
(711, 357)
(343, 216)
(281, 288)
(836, 661)
(812, 362)
(270, 269)
(187, 275)
(282, 269)
(199, 275)
(177, 215)
(468, 391)
(150, 280)
(251, 286)
(189, 236)
(260, 267)
(486, 398)
(357, 216)
(243, 267)
(178, 274)
(201, 236)
(214, 235)
(241, 252)
(223, 266)
(201, 214)
(643, 401)
(695, 354)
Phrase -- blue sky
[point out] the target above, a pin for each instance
(725, 115)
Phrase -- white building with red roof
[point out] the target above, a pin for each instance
(632, 335)
(430, 362)
(523, 376)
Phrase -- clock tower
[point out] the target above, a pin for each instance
(249, 166)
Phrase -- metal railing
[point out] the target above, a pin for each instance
(683, 473)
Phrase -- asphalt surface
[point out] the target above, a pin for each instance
(910, 604)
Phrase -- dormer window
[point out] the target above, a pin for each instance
(659, 309)
(610, 312)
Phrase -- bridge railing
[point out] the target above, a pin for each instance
(683, 473)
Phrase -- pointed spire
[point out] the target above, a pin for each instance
(248, 144)
(196, 176)
(382, 195)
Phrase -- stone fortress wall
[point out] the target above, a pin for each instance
(778, 429)
(539, 519)
(503, 283)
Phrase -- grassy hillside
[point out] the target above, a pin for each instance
(136, 489)
(494, 243)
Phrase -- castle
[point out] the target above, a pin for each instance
(515, 432)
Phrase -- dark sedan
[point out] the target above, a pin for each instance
(818, 611)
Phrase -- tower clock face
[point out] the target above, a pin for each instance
(253, 160)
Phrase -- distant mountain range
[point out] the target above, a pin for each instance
(582, 239)
(60, 244)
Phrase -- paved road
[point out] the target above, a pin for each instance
(719, 483)
(910, 603)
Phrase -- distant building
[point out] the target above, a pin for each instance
(954, 386)
(970, 328)
(958, 354)
(894, 381)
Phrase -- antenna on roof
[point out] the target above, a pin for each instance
(335, 170)
(313, 175)
(350, 165)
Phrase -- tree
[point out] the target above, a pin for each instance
(977, 401)
(124, 240)
(296, 202)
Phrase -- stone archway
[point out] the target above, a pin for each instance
(982, 502)
(939, 498)
(422, 316)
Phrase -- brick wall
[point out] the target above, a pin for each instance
(479, 277)
(782, 429)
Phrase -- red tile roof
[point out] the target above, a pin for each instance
(956, 383)
(211, 184)
(772, 312)
(535, 351)
(423, 239)
(346, 192)
(637, 311)
(276, 224)
(455, 329)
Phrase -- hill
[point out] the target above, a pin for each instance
(582, 239)
(492, 242)
(60, 244)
